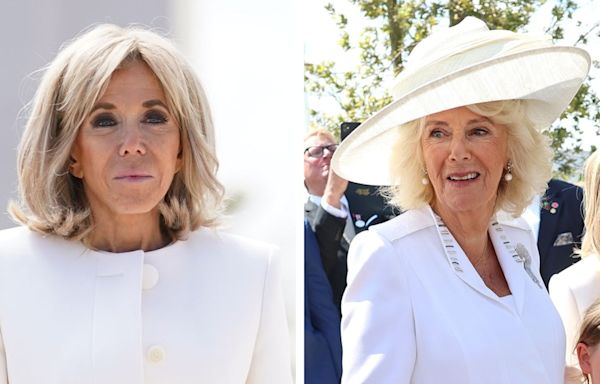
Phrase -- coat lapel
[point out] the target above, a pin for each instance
(548, 221)
(459, 261)
(511, 263)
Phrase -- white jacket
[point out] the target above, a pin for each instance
(410, 316)
(205, 310)
(573, 291)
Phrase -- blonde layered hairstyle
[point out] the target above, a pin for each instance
(51, 200)
(528, 150)
(590, 243)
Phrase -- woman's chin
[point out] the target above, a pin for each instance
(463, 204)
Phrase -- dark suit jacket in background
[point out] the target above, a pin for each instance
(329, 231)
(322, 343)
(367, 207)
(568, 218)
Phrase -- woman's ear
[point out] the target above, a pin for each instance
(179, 161)
(583, 355)
(75, 166)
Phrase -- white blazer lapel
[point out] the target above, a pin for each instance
(458, 260)
(511, 263)
(117, 323)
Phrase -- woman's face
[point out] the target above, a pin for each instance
(127, 150)
(465, 155)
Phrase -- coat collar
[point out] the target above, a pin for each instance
(513, 264)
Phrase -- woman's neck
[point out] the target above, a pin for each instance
(124, 233)
(469, 228)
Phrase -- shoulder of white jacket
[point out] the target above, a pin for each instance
(22, 241)
(21, 233)
(228, 242)
(506, 220)
(14, 231)
(587, 267)
(404, 224)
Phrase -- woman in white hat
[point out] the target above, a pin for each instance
(448, 292)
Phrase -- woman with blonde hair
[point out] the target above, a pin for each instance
(117, 273)
(577, 287)
(450, 291)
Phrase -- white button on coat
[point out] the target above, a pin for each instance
(150, 277)
(156, 354)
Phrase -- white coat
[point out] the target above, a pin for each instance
(409, 315)
(572, 291)
(205, 310)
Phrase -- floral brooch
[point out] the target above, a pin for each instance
(551, 206)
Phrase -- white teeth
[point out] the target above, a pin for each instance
(469, 176)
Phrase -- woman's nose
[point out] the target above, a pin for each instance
(459, 148)
(132, 141)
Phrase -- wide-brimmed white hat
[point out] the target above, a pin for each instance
(463, 65)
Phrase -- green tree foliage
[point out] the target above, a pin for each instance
(394, 27)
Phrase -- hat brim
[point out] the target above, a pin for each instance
(547, 78)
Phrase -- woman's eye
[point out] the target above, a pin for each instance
(155, 118)
(437, 133)
(104, 121)
(480, 131)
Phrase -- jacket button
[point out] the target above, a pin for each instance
(156, 354)
(150, 277)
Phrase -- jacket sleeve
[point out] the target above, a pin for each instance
(3, 370)
(271, 363)
(328, 230)
(564, 301)
(378, 331)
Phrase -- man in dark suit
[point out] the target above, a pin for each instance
(327, 209)
(561, 227)
(336, 209)
(322, 343)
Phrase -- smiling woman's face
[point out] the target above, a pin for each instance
(127, 151)
(465, 155)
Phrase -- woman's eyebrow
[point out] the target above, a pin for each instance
(482, 119)
(103, 105)
(153, 102)
(436, 122)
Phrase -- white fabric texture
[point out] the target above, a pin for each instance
(214, 313)
(409, 316)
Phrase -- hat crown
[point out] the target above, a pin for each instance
(465, 44)
(464, 65)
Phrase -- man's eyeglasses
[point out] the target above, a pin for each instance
(318, 151)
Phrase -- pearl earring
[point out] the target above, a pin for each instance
(425, 180)
(508, 175)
